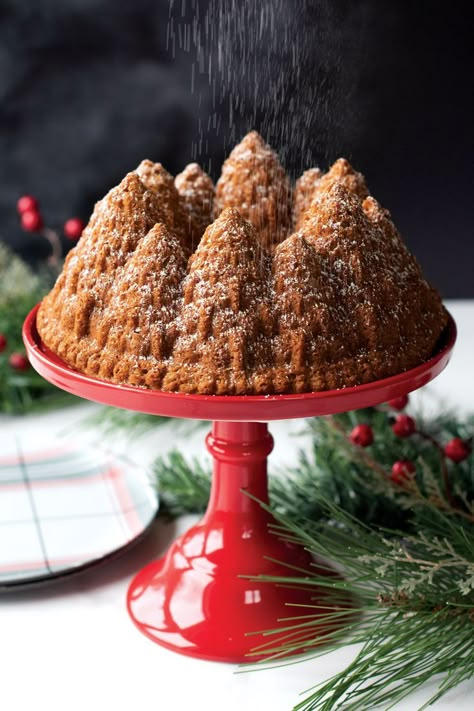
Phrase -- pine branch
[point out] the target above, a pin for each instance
(20, 290)
(407, 552)
(421, 624)
(184, 487)
(114, 421)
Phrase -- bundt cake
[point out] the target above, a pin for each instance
(248, 287)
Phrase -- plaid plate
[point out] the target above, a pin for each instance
(63, 507)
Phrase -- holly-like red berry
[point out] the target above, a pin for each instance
(362, 435)
(398, 403)
(73, 228)
(402, 471)
(31, 221)
(3, 342)
(457, 449)
(27, 203)
(404, 426)
(19, 361)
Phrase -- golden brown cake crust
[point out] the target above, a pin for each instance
(254, 310)
(313, 182)
(158, 180)
(196, 190)
(254, 182)
(305, 188)
(222, 345)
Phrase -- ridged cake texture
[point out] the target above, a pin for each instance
(249, 287)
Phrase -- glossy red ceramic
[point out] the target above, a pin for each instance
(198, 599)
(234, 408)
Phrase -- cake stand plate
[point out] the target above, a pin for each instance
(203, 598)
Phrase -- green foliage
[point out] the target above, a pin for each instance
(184, 486)
(114, 421)
(20, 290)
(416, 600)
(334, 470)
(407, 552)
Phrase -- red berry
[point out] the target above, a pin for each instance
(73, 228)
(3, 342)
(27, 203)
(457, 449)
(402, 471)
(19, 361)
(398, 403)
(404, 426)
(31, 221)
(362, 435)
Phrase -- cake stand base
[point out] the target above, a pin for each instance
(212, 617)
(208, 596)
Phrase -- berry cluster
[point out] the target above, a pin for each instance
(32, 221)
(18, 361)
(362, 435)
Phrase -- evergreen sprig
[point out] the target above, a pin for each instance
(113, 421)
(332, 469)
(407, 551)
(20, 290)
(184, 486)
(415, 596)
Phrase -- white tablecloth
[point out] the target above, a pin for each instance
(71, 645)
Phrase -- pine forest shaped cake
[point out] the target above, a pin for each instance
(253, 286)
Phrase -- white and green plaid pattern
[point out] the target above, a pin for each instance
(63, 507)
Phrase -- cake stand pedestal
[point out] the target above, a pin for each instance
(202, 598)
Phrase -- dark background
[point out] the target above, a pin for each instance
(90, 87)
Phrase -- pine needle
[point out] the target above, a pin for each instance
(407, 553)
(20, 290)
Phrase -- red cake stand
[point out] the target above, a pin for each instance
(198, 599)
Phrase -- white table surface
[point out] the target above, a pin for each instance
(71, 645)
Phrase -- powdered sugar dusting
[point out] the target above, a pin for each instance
(254, 181)
(255, 310)
(196, 190)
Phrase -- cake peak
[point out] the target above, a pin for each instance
(119, 221)
(342, 172)
(121, 196)
(196, 191)
(304, 193)
(254, 181)
(190, 170)
(157, 179)
(313, 183)
(229, 243)
(252, 141)
(231, 221)
(334, 210)
(131, 183)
